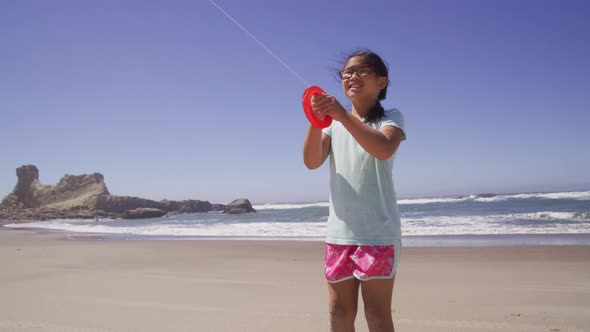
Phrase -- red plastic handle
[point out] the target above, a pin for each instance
(313, 119)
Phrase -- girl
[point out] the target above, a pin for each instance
(364, 233)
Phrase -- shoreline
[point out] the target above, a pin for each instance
(51, 282)
(408, 241)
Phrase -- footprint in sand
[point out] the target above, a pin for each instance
(513, 315)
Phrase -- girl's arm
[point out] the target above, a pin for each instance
(316, 147)
(381, 143)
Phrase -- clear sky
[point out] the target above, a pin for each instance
(170, 99)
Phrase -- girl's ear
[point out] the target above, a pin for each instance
(383, 82)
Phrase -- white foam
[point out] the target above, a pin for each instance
(290, 206)
(430, 200)
(549, 215)
(452, 199)
(546, 222)
(578, 195)
(261, 229)
(498, 224)
(488, 199)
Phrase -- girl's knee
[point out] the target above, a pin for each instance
(378, 312)
(339, 310)
(379, 319)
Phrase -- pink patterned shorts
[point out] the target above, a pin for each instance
(362, 262)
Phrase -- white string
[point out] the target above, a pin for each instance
(261, 44)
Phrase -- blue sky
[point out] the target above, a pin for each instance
(170, 99)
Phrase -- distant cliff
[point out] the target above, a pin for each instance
(87, 197)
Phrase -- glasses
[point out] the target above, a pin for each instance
(361, 72)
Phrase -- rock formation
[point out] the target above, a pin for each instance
(241, 205)
(143, 213)
(86, 196)
(73, 192)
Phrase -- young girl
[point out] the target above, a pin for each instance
(364, 233)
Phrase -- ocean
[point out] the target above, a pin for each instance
(558, 218)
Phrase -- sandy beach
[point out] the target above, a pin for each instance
(60, 282)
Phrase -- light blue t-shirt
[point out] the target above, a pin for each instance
(363, 204)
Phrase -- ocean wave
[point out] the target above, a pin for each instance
(499, 218)
(431, 200)
(559, 215)
(577, 195)
(290, 206)
(548, 215)
(434, 231)
(543, 222)
(455, 199)
(261, 230)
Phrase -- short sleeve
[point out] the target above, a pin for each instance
(328, 130)
(395, 118)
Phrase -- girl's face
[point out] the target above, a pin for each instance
(359, 81)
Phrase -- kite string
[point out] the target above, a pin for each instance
(259, 43)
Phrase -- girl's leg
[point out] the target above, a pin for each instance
(377, 296)
(343, 304)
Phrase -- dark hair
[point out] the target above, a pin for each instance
(381, 69)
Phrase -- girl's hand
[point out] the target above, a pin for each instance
(324, 104)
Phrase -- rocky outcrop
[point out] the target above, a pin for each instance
(87, 197)
(120, 204)
(485, 195)
(238, 206)
(23, 195)
(187, 206)
(143, 213)
(73, 192)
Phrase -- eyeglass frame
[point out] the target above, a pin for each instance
(356, 71)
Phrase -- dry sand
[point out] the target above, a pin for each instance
(60, 282)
